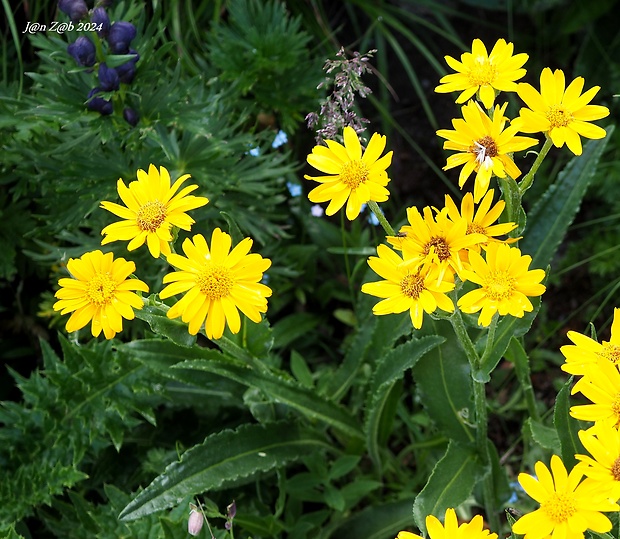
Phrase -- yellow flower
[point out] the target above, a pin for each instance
(484, 73)
(451, 529)
(218, 282)
(483, 146)
(585, 352)
(352, 177)
(99, 291)
(482, 222)
(567, 507)
(435, 239)
(505, 283)
(153, 208)
(602, 388)
(603, 443)
(561, 113)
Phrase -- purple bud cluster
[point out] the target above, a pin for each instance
(118, 36)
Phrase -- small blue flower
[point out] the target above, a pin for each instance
(108, 78)
(75, 9)
(254, 151)
(294, 189)
(265, 279)
(127, 71)
(83, 51)
(131, 116)
(120, 36)
(100, 17)
(281, 138)
(316, 210)
(99, 104)
(372, 219)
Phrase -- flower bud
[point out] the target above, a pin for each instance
(131, 116)
(108, 78)
(98, 104)
(83, 51)
(195, 522)
(75, 9)
(120, 36)
(100, 17)
(127, 71)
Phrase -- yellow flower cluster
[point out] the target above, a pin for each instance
(218, 282)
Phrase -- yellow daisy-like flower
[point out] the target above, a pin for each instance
(484, 73)
(603, 467)
(483, 146)
(99, 291)
(435, 239)
(153, 208)
(353, 177)
(602, 388)
(450, 529)
(561, 112)
(505, 283)
(567, 507)
(218, 283)
(482, 221)
(407, 287)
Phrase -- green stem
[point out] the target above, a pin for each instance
(374, 208)
(516, 354)
(347, 266)
(526, 182)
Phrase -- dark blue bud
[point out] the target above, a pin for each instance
(108, 78)
(131, 117)
(76, 9)
(99, 104)
(100, 17)
(83, 50)
(127, 71)
(120, 36)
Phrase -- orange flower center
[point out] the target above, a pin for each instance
(475, 228)
(354, 173)
(615, 469)
(611, 352)
(558, 116)
(484, 149)
(559, 508)
(215, 281)
(482, 72)
(412, 285)
(615, 408)
(100, 289)
(499, 285)
(151, 216)
(439, 246)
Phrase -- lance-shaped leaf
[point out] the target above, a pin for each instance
(390, 369)
(567, 426)
(225, 458)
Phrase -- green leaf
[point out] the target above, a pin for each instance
(389, 370)
(300, 369)
(450, 484)
(225, 458)
(292, 327)
(566, 427)
(443, 380)
(554, 212)
(544, 436)
(175, 330)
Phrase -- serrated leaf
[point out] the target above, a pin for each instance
(544, 436)
(390, 368)
(175, 330)
(223, 458)
(554, 212)
(444, 382)
(566, 426)
(450, 484)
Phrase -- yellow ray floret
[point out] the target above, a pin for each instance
(218, 283)
(450, 529)
(152, 208)
(99, 291)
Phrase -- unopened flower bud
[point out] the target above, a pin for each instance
(231, 510)
(98, 104)
(120, 36)
(127, 71)
(108, 78)
(195, 522)
(83, 51)
(100, 18)
(131, 116)
(75, 9)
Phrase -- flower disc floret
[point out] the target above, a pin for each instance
(153, 207)
(505, 283)
(484, 146)
(99, 292)
(354, 178)
(561, 111)
(218, 283)
(451, 529)
(484, 73)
